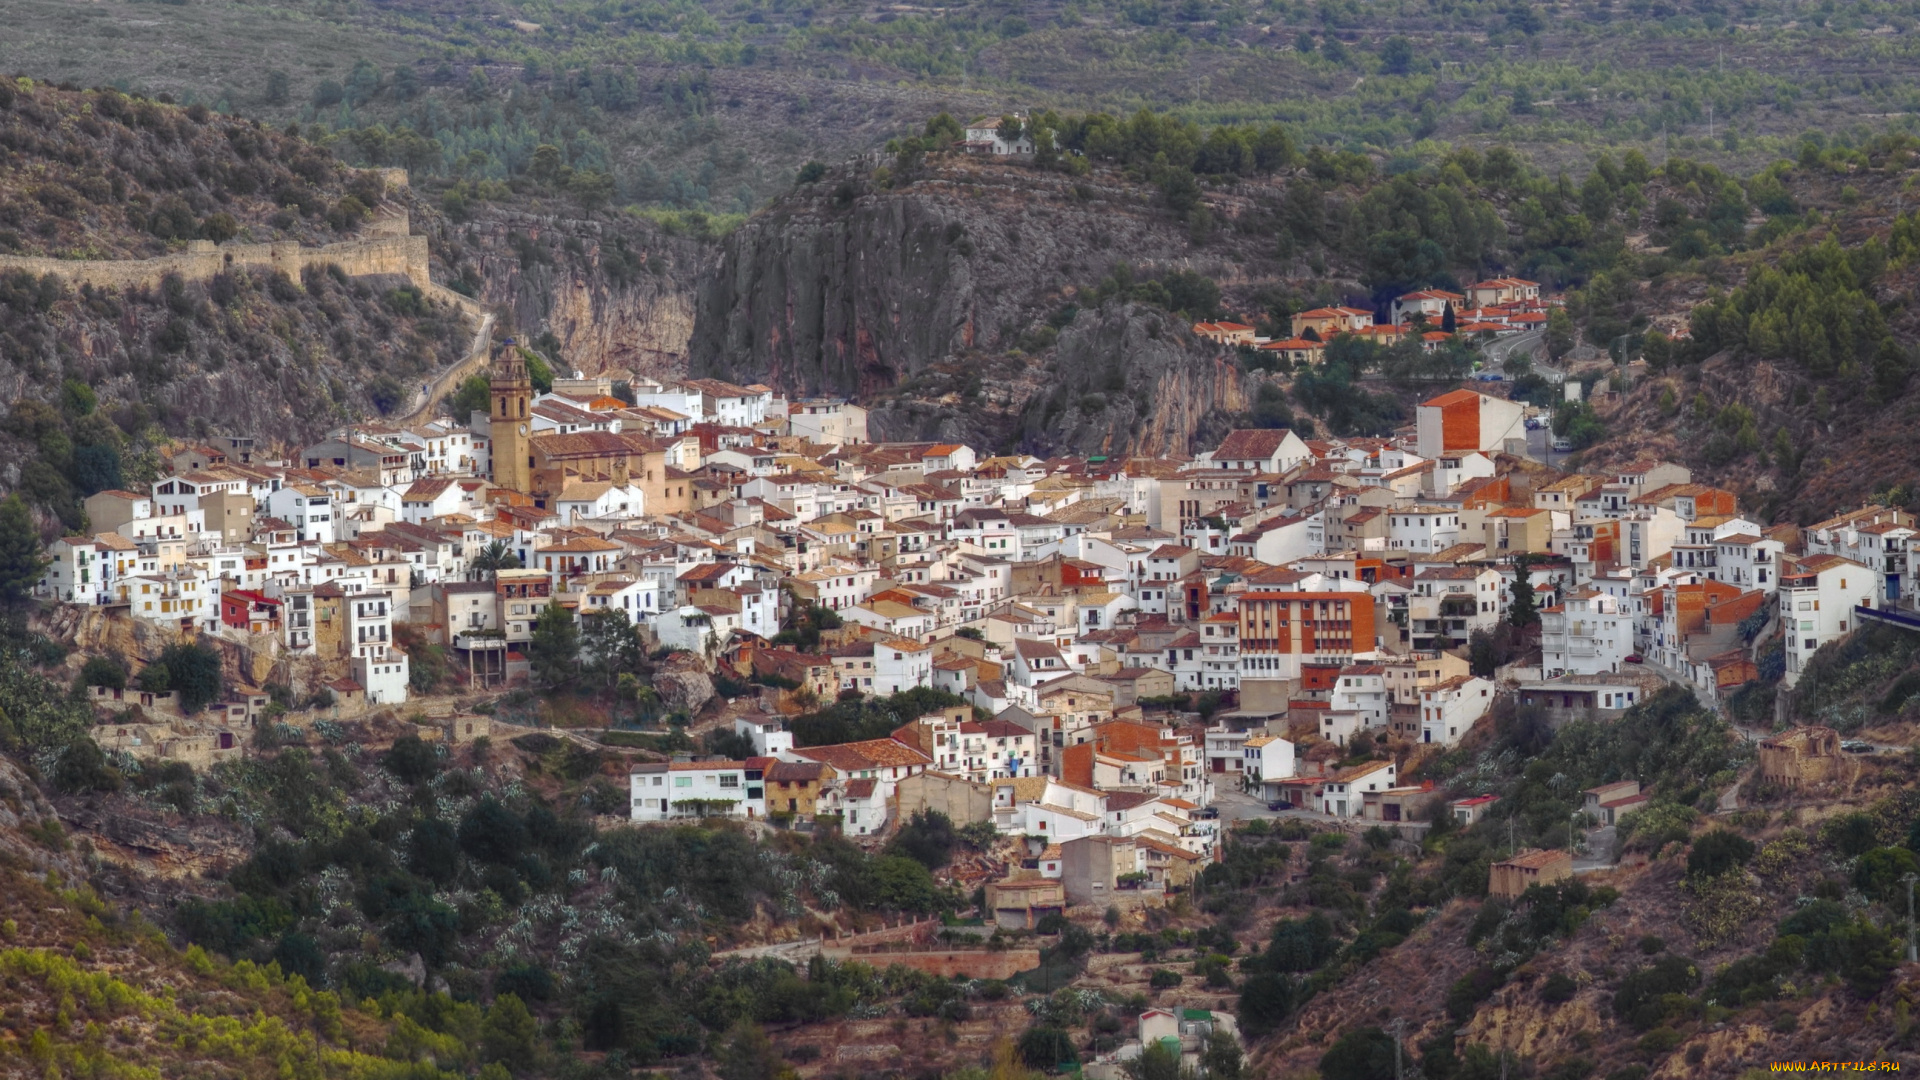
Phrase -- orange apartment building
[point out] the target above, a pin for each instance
(1282, 632)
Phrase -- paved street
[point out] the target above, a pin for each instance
(1237, 805)
(1500, 349)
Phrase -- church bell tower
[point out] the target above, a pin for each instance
(512, 392)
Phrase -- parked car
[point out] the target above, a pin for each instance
(1208, 812)
(1277, 805)
(1855, 746)
(1562, 444)
(1635, 658)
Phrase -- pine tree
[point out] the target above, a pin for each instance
(555, 648)
(509, 1035)
(1448, 322)
(22, 558)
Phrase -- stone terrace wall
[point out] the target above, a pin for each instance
(385, 254)
(968, 963)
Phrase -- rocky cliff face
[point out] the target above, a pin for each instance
(615, 294)
(1128, 378)
(942, 304)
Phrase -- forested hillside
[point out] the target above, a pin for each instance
(709, 106)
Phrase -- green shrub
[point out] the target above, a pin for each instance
(1645, 997)
(1718, 852)
(1659, 1041)
(411, 760)
(107, 671)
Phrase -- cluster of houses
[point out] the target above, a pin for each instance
(1325, 591)
(1494, 307)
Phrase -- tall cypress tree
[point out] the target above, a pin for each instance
(22, 557)
(1522, 612)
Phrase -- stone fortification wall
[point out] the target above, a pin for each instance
(380, 254)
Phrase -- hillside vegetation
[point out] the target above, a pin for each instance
(100, 175)
(1800, 360)
(710, 106)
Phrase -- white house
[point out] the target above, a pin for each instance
(665, 791)
(429, 498)
(863, 806)
(899, 664)
(1589, 633)
(1265, 760)
(637, 597)
(83, 569)
(1877, 537)
(308, 508)
(599, 499)
(383, 675)
(1431, 304)
(1423, 529)
(1264, 450)
(1343, 795)
(769, 734)
(1817, 596)
(1362, 689)
(370, 623)
(891, 617)
(983, 137)
(178, 599)
(1450, 708)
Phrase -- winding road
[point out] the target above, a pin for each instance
(476, 358)
(1525, 343)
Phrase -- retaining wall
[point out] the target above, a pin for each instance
(389, 254)
(969, 963)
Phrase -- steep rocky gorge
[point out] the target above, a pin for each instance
(953, 306)
(615, 293)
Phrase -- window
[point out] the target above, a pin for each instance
(683, 781)
(729, 780)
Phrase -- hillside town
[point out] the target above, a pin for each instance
(1279, 622)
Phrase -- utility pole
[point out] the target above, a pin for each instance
(1399, 1030)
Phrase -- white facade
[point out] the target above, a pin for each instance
(308, 509)
(901, 665)
(1344, 795)
(769, 734)
(1362, 690)
(1591, 633)
(1450, 709)
(383, 676)
(1265, 758)
(678, 790)
(1423, 529)
(1817, 598)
